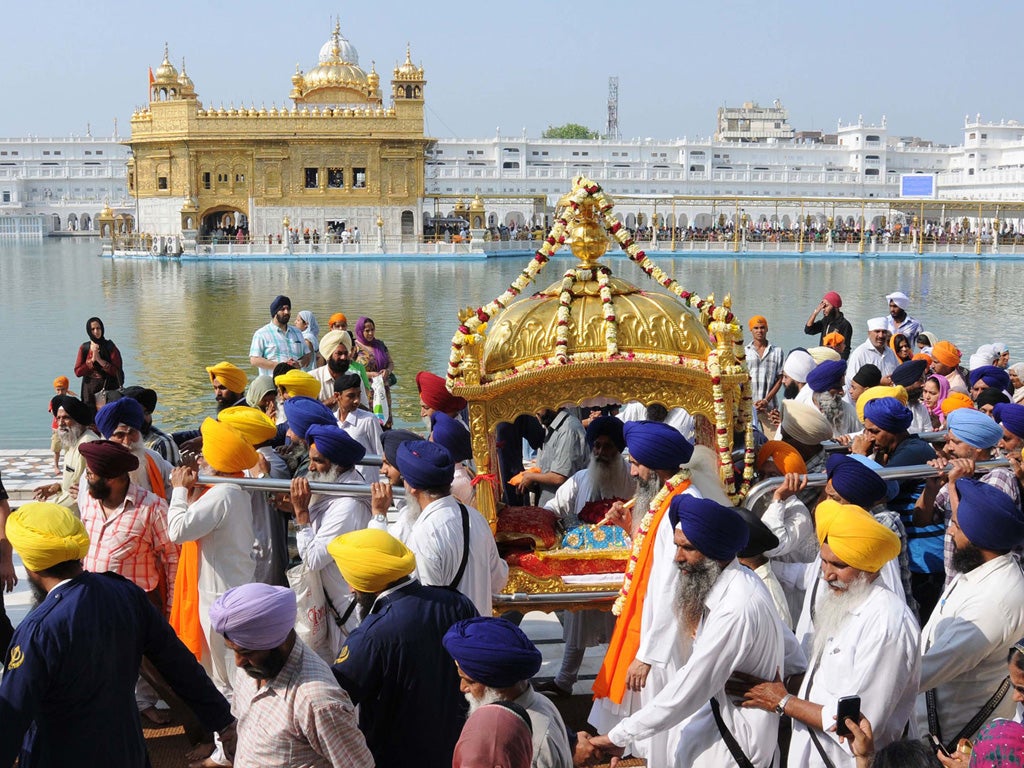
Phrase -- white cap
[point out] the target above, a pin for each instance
(798, 364)
(878, 324)
(899, 298)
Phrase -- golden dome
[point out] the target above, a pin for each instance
(648, 323)
(338, 67)
(184, 81)
(166, 73)
(408, 70)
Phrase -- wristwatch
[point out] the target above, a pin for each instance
(380, 518)
(780, 708)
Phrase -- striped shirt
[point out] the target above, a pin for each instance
(132, 541)
(272, 343)
(301, 718)
(764, 371)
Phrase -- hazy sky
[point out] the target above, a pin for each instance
(529, 64)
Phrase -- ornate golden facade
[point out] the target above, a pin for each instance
(336, 154)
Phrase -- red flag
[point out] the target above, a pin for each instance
(151, 78)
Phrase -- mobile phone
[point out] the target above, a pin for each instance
(937, 745)
(849, 707)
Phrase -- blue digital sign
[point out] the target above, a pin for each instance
(920, 185)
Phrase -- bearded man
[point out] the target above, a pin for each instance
(727, 611)
(981, 614)
(827, 383)
(321, 518)
(74, 419)
(607, 477)
(874, 350)
(394, 665)
(946, 359)
(832, 321)
(336, 350)
(122, 421)
(911, 375)
(495, 661)
(154, 438)
(861, 639)
(795, 370)
(277, 341)
(228, 382)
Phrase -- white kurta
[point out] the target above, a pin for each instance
(220, 522)
(550, 739)
(866, 353)
(741, 632)
(578, 490)
(365, 429)
(437, 541)
(875, 655)
(965, 643)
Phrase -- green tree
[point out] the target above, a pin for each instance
(569, 131)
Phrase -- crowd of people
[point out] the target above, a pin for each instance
(872, 621)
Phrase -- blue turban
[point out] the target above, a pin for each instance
(909, 373)
(892, 486)
(451, 434)
(889, 414)
(828, 374)
(124, 410)
(425, 465)
(304, 412)
(255, 617)
(989, 518)
(717, 532)
(277, 303)
(1011, 416)
(855, 482)
(975, 428)
(656, 445)
(394, 438)
(334, 443)
(993, 376)
(492, 651)
(609, 426)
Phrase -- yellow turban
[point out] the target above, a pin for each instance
(370, 559)
(231, 376)
(255, 426)
(332, 340)
(855, 536)
(45, 534)
(876, 392)
(225, 449)
(299, 383)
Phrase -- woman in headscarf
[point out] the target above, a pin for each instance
(374, 355)
(936, 389)
(98, 363)
(497, 735)
(901, 347)
(306, 322)
(1016, 372)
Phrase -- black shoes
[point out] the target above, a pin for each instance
(552, 688)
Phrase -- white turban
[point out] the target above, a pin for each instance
(798, 365)
(899, 298)
(821, 354)
(804, 423)
(877, 324)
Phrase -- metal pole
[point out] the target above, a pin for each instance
(284, 486)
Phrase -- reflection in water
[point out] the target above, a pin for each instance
(170, 320)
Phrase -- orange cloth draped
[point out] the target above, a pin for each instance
(625, 642)
(156, 480)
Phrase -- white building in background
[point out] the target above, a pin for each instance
(67, 181)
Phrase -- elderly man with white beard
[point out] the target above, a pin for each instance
(728, 624)
(495, 661)
(73, 421)
(122, 421)
(606, 477)
(861, 640)
(827, 383)
(321, 518)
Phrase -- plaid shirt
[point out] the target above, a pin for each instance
(132, 541)
(276, 345)
(764, 370)
(300, 718)
(1002, 478)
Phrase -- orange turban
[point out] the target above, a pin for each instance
(833, 339)
(758, 320)
(61, 381)
(256, 427)
(337, 317)
(945, 353)
(786, 457)
(225, 449)
(924, 357)
(855, 536)
(955, 400)
(873, 393)
(299, 384)
(231, 376)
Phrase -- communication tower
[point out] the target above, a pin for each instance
(613, 108)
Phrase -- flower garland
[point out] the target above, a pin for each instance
(562, 322)
(611, 332)
(638, 541)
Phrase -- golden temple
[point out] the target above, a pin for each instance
(338, 156)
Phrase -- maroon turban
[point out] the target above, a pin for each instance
(108, 459)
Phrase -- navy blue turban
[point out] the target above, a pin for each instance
(334, 442)
(277, 303)
(909, 373)
(609, 426)
(718, 532)
(304, 412)
(425, 465)
(855, 482)
(828, 374)
(124, 410)
(993, 376)
(892, 486)
(656, 445)
(394, 438)
(975, 428)
(889, 414)
(761, 538)
(989, 518)
(452, 435)
(73, 407)
(1011, 416)
(492, 651)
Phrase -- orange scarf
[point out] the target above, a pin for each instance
(156, 480)
(625, 642)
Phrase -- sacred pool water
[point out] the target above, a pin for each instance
(172, 319)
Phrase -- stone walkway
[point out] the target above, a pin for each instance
(25, 470)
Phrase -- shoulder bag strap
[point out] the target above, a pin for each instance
(730, 741)
(932, 706)
(980, 717)
(465, 547)
(821, 750)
